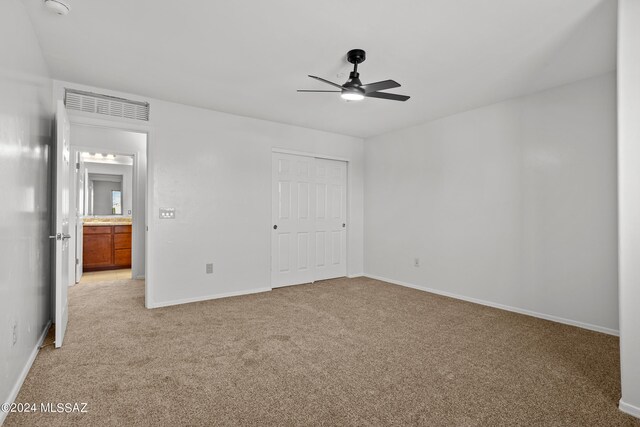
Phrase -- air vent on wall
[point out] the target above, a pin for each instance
(108, 105)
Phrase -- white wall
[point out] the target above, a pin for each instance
(126, 171)
(215, 170)
(512, 204)
(25, 136)
(118, 141)
(629, 199)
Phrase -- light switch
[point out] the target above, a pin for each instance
(167, 213)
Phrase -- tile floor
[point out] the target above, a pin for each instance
(105, 276)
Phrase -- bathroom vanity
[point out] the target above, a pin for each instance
(106, 246)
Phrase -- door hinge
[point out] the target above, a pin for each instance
(77, 261)
(78, 166)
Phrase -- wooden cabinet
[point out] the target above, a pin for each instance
(97, 243)
(106, 247)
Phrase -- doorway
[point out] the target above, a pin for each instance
(104, 199)
(70, 193)
(108, 192)
(309, 212)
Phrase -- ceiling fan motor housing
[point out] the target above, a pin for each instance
(356, 56)
(354, 81)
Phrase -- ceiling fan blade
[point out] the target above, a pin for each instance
(304, 90)
(326, 81)
(391, 96)
(382, 85)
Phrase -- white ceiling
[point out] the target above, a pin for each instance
(248, 57)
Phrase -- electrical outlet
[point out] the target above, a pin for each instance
(416, 262)
(15, 333)
(210, 268)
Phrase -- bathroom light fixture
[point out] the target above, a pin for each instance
(61, 7)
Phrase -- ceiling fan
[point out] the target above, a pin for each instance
(354, 90)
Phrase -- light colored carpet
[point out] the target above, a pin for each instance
(339, 352)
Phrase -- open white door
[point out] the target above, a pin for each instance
(79, 212)
(61, 223)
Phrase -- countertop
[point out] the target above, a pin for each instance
(105, 221)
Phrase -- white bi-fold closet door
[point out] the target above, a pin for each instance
(309, 236)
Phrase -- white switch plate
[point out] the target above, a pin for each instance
(167, 213)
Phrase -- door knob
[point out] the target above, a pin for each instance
(61, 236)
(275, 227)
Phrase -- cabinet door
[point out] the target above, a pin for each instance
(97, 250)
(122, 257)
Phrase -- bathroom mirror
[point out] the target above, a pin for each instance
(105, 194)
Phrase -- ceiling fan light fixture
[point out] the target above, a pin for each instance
(352, 96)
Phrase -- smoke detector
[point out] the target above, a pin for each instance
(61, 7)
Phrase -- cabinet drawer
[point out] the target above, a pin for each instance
(121, 229)
(122, 257)
(97, 229)
(122, 241)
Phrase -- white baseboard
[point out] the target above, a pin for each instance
(207, 297)
(550, 317)
(25, 371)
(629, 409)
(353, 276)
(141, 277)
